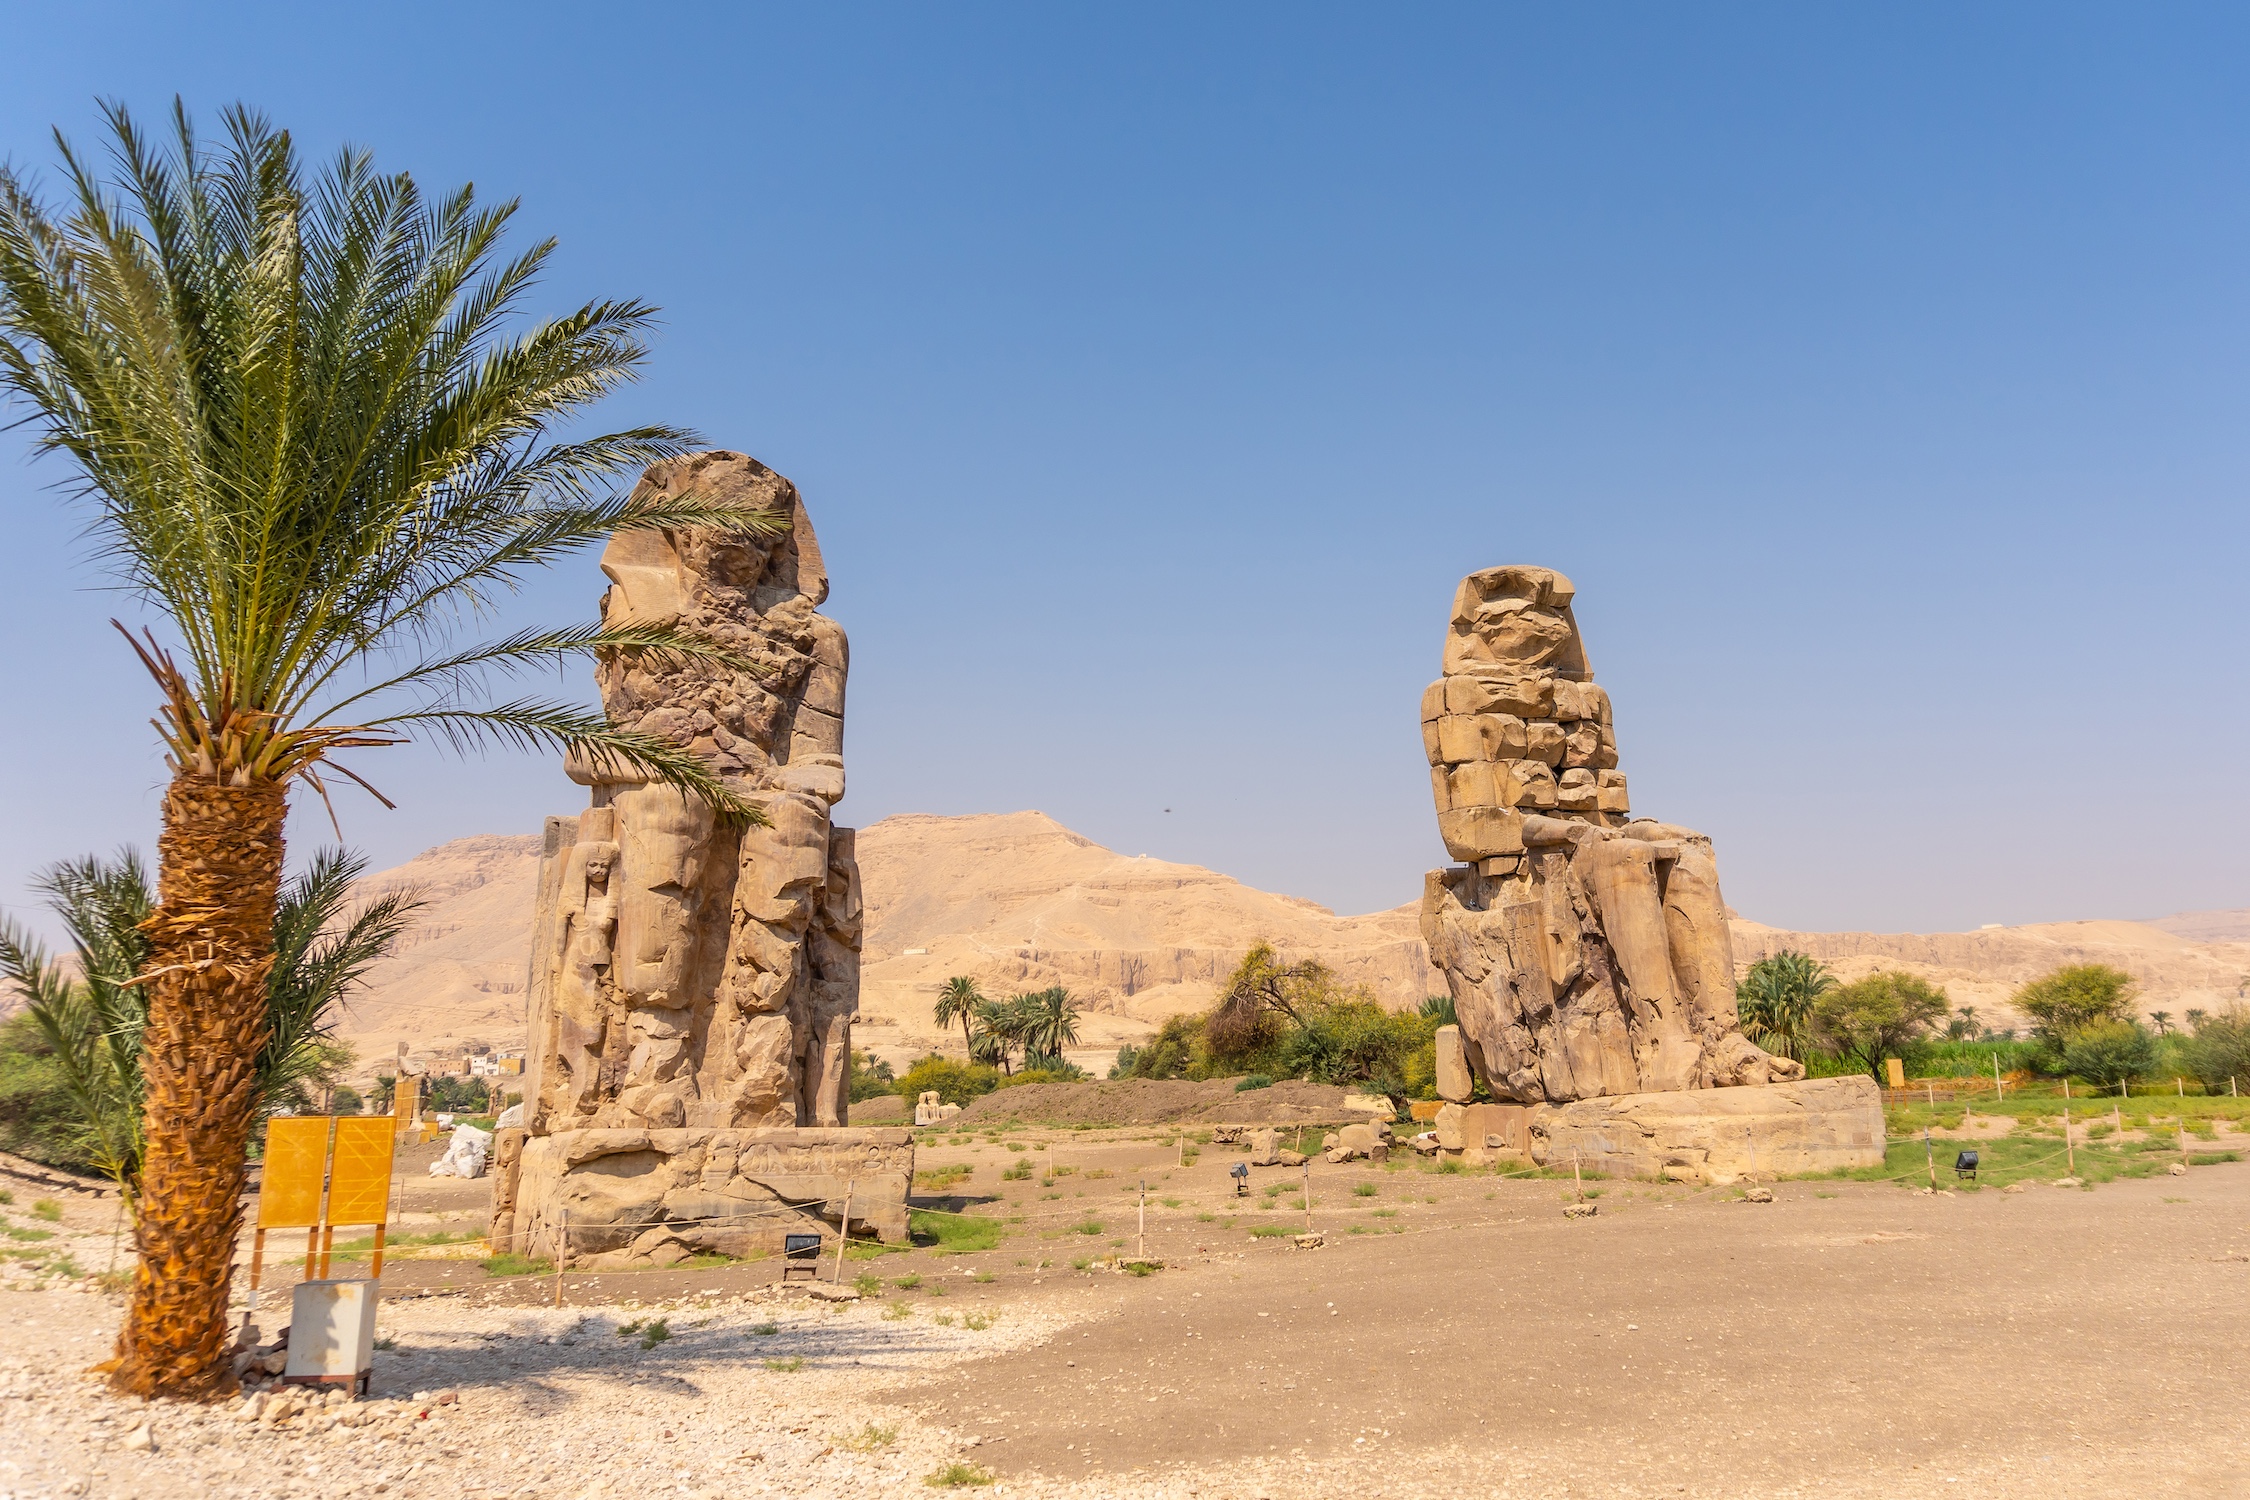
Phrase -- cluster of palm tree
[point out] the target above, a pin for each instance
(1038, 1024)
(1775, 1001)
(316, 436)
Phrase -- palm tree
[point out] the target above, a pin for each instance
(958, 1001)
(1775, 1001)
(1050, 1024)
(999, 1028)
(309, 444)
(2162, 1021)
(93, 1022)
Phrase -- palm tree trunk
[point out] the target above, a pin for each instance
(219, 869)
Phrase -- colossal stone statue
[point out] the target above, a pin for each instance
(1586, 951)
(693, 980)
(700, 974)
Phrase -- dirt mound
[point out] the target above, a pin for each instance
(1163, 1101)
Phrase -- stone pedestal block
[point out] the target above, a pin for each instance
(1716, 1135)
(656, 1197)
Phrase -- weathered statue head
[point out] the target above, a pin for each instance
(1514, 619)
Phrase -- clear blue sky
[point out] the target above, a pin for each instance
(1153, 373)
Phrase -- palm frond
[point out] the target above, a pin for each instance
(316, 434)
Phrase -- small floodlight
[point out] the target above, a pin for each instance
(1965, 1165)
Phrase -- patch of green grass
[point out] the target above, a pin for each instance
(977, 1322)
(984, 1278)
(1020, 1172)
(6, 1196)
(1140, 1268)
(656, 1333)
(512, 1264)
(943, 1320)
(1385, 1213)
(18, 1232)
(48, 1209)
(907, 1283)
(1169, 1202)
(1270, 1231)
(1081, 1263)
(787, 1366)
(765, 1330)
(954, 1234)
(867, 1283)
(1205, 1218)
(1088, 1226)
(627, 1330)
(868, 1439)
(894, 1312)
(1364, 1190)
(942, 1179)
(955, 1475)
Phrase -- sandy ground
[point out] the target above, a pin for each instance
(1846, 1339)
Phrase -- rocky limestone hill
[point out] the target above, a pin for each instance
(1021, 902)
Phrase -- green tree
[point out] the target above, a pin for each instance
(2068, 1001)
(91, 1014)
(1880, 1016)
(346, 1100)
(958, 1001)
(1775, 1001)
(1438, 1010)
(1050, 1024)
(2217, 1049)
(2109, 1053)
(313, 437)
(871, 1077)
(2161, 1021)
(953, 1081)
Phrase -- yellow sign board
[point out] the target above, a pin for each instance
(296, 1164)
(1896, 1070)
(359, 1186)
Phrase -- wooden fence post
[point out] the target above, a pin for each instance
(844, 1235)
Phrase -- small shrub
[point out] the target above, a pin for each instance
(1363, 1190)
(907, 1283)
(955, 1475)
(656, 1333)
(1020, 1172)
(1081, 1263)
(1140, 1268)
(765, 1330)
(48, 1209)
(1089, 1226)
(867, 1283)
(627, 1330)
(787, 1366)
(983, 1278)
(1254, 1081)
(868, 1439)
(1205, 1218)
(6, 1196)
(977, 1322)
(1270, 1231)
(895, 1312)
(942, 1179)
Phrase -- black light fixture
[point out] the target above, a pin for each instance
(1965, 1165)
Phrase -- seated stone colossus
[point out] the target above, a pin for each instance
(1586, 950)
(693, 979)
